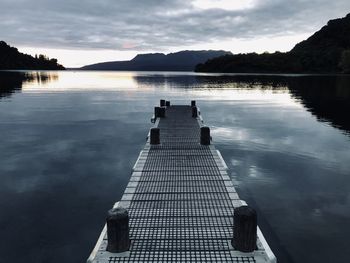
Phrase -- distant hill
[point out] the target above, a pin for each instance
(322, 51)
(326, 51)
(11, 58)
(179, 61)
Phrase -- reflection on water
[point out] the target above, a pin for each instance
(42, 77)
(70, 140)
(13, 81)
(327, 97)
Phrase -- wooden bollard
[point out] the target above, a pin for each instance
(162, 103)
(167, 103)
(205, 135)
(162, 112)
(156, 112)
(118, 230)
(155, 136)
(193, 103)
(194, 112)
(245, 229)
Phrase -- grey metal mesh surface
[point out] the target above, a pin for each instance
(181, 210)
(190, 256)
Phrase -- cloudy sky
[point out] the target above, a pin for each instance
(89, 31)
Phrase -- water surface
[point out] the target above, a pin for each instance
(69, 141)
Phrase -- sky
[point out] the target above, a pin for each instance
(83, 32)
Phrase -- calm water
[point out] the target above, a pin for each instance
(69, 141)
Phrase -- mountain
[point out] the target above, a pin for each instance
(179, 61)
(322, 51)
(11, 58)
(326, 51)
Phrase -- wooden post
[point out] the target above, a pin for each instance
(162, 112)
(205, 135)
(162, 103)
(193, 103)
(118, 230)
(156, 112)
(245, 229)
(155, 136)
(194, 112)
(167, 103)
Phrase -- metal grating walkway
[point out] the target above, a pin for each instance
(180, 201)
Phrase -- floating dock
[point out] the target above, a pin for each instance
(180, 201)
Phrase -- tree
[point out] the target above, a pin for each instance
(345, 61)
(43, 57)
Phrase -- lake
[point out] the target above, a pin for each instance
(69, 141)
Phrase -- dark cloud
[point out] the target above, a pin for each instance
(154, 24)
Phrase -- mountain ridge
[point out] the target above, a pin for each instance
(185, 60)
(326, 51)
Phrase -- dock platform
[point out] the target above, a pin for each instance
(180, 201)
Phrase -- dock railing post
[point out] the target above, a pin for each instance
(194, 112)
(156, 112)
(193, 103)
(155, 136)
(162, 103)
(118, 230)
(162, 112)
(245, 229)
(205, 135)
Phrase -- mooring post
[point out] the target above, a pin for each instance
(193, 103)
(156, 112)
(245, 229)
(205, 135)
(162, 112)
(118, 230)
(194, 112)
(162, 103)
(155, 136)
(167, 103)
